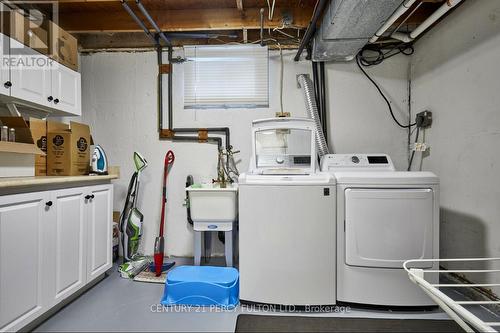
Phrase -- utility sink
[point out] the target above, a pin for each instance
(211, 203)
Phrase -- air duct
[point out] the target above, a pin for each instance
(306, 84)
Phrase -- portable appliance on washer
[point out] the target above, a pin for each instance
(384, 217)
(286, 231)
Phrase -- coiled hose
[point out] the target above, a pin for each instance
(306, 84)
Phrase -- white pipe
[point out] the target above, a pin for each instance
(397, 14)
(434, 17)
(449, 4)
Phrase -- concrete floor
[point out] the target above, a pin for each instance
(117, 304)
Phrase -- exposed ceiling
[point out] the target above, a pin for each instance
(104, 24)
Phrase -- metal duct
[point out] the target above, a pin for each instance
(348, 25)
(307, 86)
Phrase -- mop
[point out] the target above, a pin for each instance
(160, 242)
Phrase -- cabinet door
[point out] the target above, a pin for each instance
(4, 68)
(66, 89)
(99, 230)
(30, 74)
(23, 236)
(68, 243)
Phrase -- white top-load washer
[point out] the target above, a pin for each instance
(286, 231)
(384, 217)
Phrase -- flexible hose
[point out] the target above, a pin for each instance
(312, 111)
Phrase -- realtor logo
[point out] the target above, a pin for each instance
(29, 24)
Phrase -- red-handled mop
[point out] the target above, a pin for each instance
(160, 242)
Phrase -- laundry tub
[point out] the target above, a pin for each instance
(211, 204)
(213, 208)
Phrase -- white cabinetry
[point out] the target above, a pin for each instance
(23, 237)
(32, 79)
(52, 244)
(99, 256)
(30, 74)
(69, 245)
(66, 89)
(4, 68)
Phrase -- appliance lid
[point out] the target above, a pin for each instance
(387, 178)
(283, 146)
(318, 178)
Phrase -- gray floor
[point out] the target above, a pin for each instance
(117, 304)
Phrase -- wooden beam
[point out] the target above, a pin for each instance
(179, 20)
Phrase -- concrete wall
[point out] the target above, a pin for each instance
(456, 75)
(119, 102)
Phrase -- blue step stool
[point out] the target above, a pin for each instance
(202, 286)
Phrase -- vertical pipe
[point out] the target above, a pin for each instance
(322, 80)
(159, 54)
(262, 27)
(170, 103)
(315, 81)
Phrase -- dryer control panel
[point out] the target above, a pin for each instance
(356, 162)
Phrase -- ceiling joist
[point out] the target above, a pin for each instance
(180, 20)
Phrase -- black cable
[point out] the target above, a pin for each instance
(413, 152)
(358, 61)
(406, 49)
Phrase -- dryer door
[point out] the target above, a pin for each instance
(385, 227)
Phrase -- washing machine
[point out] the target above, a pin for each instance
(384, 217)
(286, 230)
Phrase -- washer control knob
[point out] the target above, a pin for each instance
(280, 160)
(355, 159)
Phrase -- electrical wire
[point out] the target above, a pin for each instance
(271, 9)
(281, 78)
(381, 56)
(358, 61)
(410, 162)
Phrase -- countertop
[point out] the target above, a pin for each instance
(17, 182)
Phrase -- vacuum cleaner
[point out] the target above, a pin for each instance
(131, 218)
(159, 250)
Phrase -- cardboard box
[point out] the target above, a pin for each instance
(68, 149)
(39, 133)
(17, 159)
(63, 46)
(32, 34)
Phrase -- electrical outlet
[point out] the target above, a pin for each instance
(419, 146)
(424, 119)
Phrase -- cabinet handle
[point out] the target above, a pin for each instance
(48, 204)
(92, 196)
(88, 197)
(56, 101)
(7, 84)
(50, 98)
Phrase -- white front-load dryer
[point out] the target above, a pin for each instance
(384, 217)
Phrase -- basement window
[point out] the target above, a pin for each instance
(226, 76)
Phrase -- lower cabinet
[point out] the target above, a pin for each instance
(52, 244)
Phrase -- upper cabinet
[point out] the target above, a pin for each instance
(66, 89)
(33, 79)
(30, 74)
(4, 69)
